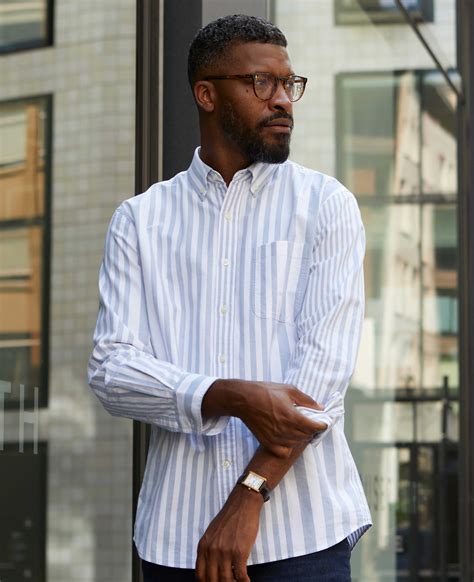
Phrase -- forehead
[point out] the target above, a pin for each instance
(251, 57)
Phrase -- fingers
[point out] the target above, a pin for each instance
(212, 567)
(226, 574)
(301, 431)
(221, 569)
(240, 572)
(320, 426)
(200, 567)
(304, 400)
(307, 425)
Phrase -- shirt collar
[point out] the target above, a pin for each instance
(202, 175)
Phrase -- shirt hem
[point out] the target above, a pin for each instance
(358, 532)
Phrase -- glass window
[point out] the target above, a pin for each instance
(383, 121)
(24, 166)
(25, 25)
(61, 179)
(381, 11)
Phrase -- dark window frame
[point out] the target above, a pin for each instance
(12, 403)
(465, 58)
(41, 458)
(166, 134)
(35, 44)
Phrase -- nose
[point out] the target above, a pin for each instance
(280, 100)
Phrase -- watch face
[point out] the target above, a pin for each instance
(253, 481)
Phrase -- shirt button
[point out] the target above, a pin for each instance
(223, 309)
(228, 216)
(222, 358)
(226, 464)
(226, 262)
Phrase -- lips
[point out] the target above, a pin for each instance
(280, 123)
(279, 126)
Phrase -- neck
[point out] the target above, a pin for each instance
(222, 156)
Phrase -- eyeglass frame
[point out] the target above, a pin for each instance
(253, 75)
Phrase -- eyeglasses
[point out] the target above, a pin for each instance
(266, 84)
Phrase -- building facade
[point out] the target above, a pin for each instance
(94, 106)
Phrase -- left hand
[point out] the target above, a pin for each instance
(226, 544)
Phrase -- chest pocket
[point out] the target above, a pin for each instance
(279, 277)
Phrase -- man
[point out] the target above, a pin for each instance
(231, 302)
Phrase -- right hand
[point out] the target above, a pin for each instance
(268, 410)
(271, 415)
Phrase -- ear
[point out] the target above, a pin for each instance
(205, 95)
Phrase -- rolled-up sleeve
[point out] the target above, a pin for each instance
(123, 371)
(329, 323)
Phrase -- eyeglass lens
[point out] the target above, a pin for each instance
(266, 84)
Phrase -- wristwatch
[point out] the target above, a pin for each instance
(255, 482)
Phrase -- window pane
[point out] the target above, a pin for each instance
(66, 163)
(383, 121)
(381, 11)
(439, 146)
(23, 24)
(23, 167)
(369, 162)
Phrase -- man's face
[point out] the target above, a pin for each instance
(260, 129)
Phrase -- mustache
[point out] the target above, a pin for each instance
(274, 117)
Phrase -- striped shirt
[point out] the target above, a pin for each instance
(261, 280)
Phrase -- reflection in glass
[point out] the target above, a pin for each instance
(393, 288)
(22, 203)
(438, 139)
(23, 24)
(383, 121)
(402, 167)
(381, 11)
(380, 155)
(411, 276)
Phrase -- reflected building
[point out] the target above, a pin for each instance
(382, 119)
(22, 208)
(67, 136)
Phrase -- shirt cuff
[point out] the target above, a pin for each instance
(333, 411)
(189, 394)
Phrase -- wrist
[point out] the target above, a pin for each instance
(225, 397)
(256, 483)
(246, 499)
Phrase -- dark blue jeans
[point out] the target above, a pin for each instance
(331, 565)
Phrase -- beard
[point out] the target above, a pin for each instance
(251, 141)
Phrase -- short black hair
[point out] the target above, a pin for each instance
(213, 41)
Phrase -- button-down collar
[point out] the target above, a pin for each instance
(202, 175)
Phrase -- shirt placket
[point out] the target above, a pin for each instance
(228, 233)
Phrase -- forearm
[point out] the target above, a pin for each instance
(271, 467)
(223, 398)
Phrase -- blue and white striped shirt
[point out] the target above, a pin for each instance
(261, 280)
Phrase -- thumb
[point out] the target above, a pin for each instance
(302, 399)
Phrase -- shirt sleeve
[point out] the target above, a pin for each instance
(123, 371)
(329, 323)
